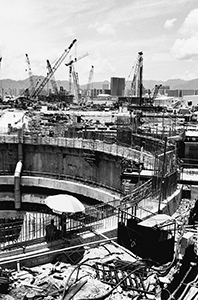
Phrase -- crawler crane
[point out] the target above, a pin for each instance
(52, 80)
(154, 93)
(54, 68)
(70, 64)
(86, 93)
(136, 84)
(76, 85)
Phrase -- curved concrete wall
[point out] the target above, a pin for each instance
(84, 162)
(61, 185)
(54, 161)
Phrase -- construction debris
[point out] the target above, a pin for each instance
(82, 281)
(107, 271)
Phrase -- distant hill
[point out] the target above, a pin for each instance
(7, 84)
(175, 84)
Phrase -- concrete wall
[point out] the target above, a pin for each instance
(61, 185)
(8, 157)
(82, 164)
(49, 160)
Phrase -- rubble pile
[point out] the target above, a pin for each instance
(64, 281)
(122, 275)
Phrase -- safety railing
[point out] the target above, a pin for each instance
(31, 226)
(80, 143)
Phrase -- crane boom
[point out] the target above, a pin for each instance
(136, 76)
(76, 59)
(70, 64)
(52, 80)
(155, 91)
(55, 67)
(32, 87)
(89, 80)
(86, 93)
(76, 84)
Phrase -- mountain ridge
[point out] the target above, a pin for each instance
(7, 84)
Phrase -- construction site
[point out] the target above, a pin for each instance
(134, 233)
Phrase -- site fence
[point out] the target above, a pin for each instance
(31, 226)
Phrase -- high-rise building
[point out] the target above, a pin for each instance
(117, 86)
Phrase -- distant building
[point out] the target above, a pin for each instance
(188, 92)
(117, 86)
(108, 91)
(95, 92)
(180, 93)
(174, 93)
(105, 86)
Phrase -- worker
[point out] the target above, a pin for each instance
(51, 232)
(63, 223)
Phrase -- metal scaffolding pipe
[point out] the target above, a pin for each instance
(17, 185)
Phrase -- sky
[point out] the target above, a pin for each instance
(109, 36)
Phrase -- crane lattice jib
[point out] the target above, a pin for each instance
(138, 64)
(90, 80)
(55, 67)
(76, 59)
(32, 87)
(76, 83)
(70, 64)
(52, 80)
(155, 91)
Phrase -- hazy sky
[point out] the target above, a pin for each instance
(111, 31)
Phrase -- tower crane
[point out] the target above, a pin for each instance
(70, 64)
(52, 80)
(32, 87)
(55, 67)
